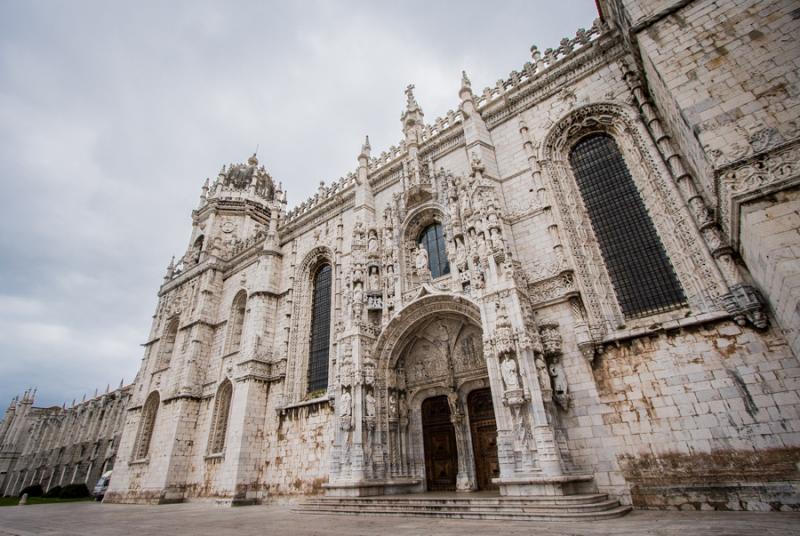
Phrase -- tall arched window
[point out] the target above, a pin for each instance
(219, 420)
(236, 322)
(640, 271)
(167, 344)
(146, 425)
(319, 344)
(432, 239)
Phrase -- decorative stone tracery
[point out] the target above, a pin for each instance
(699, 276)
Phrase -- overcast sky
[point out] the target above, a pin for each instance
(113, 113)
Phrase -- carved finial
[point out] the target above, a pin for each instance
(411, 102)
(253, 160)
(465, 82)
(121, 381)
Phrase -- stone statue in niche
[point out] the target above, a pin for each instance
(544, 377)
(421, 261)
(346, 415)
(466, 208)
(496, 239)
(369, 403)
(358, 273)
(483, 250)
(374, 279)
(473, 245)
(461, 255)
(372, 242)
(508, 369)
(358, 300)
(358, 233)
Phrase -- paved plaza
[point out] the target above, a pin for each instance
(205, 519)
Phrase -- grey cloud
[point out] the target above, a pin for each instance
(113, 113)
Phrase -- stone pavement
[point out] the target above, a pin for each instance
(200, 519)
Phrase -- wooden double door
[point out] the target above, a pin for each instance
(441, 450)
(483, 429)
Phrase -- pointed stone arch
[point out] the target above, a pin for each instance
(693, 264)
(300, 324)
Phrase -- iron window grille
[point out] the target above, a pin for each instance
(432, 239)
(642, 276)
(319, 345)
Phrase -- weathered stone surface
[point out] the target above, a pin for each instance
(694, 406)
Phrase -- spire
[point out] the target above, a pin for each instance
(364, 199)
(170, 269)
(365, 149)
(204, 193)
(412, 119)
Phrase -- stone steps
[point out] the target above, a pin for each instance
(554, 508)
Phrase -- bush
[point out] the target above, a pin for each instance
(34, 490)
(53, 493)
(74, 491)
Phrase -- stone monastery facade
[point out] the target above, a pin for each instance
(585, 278)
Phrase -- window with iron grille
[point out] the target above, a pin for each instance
(432, 239)
(640, 271)
(319, 345)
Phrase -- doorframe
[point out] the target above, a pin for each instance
(416, 434)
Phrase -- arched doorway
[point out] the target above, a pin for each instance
(483, 429)
(441, 452)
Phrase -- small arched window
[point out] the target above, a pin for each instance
(167, 344)
(146, 425)
(197, 248)
(432, 239)
(640, 271)
(236, 322)
(319, 344)
(219, 419)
